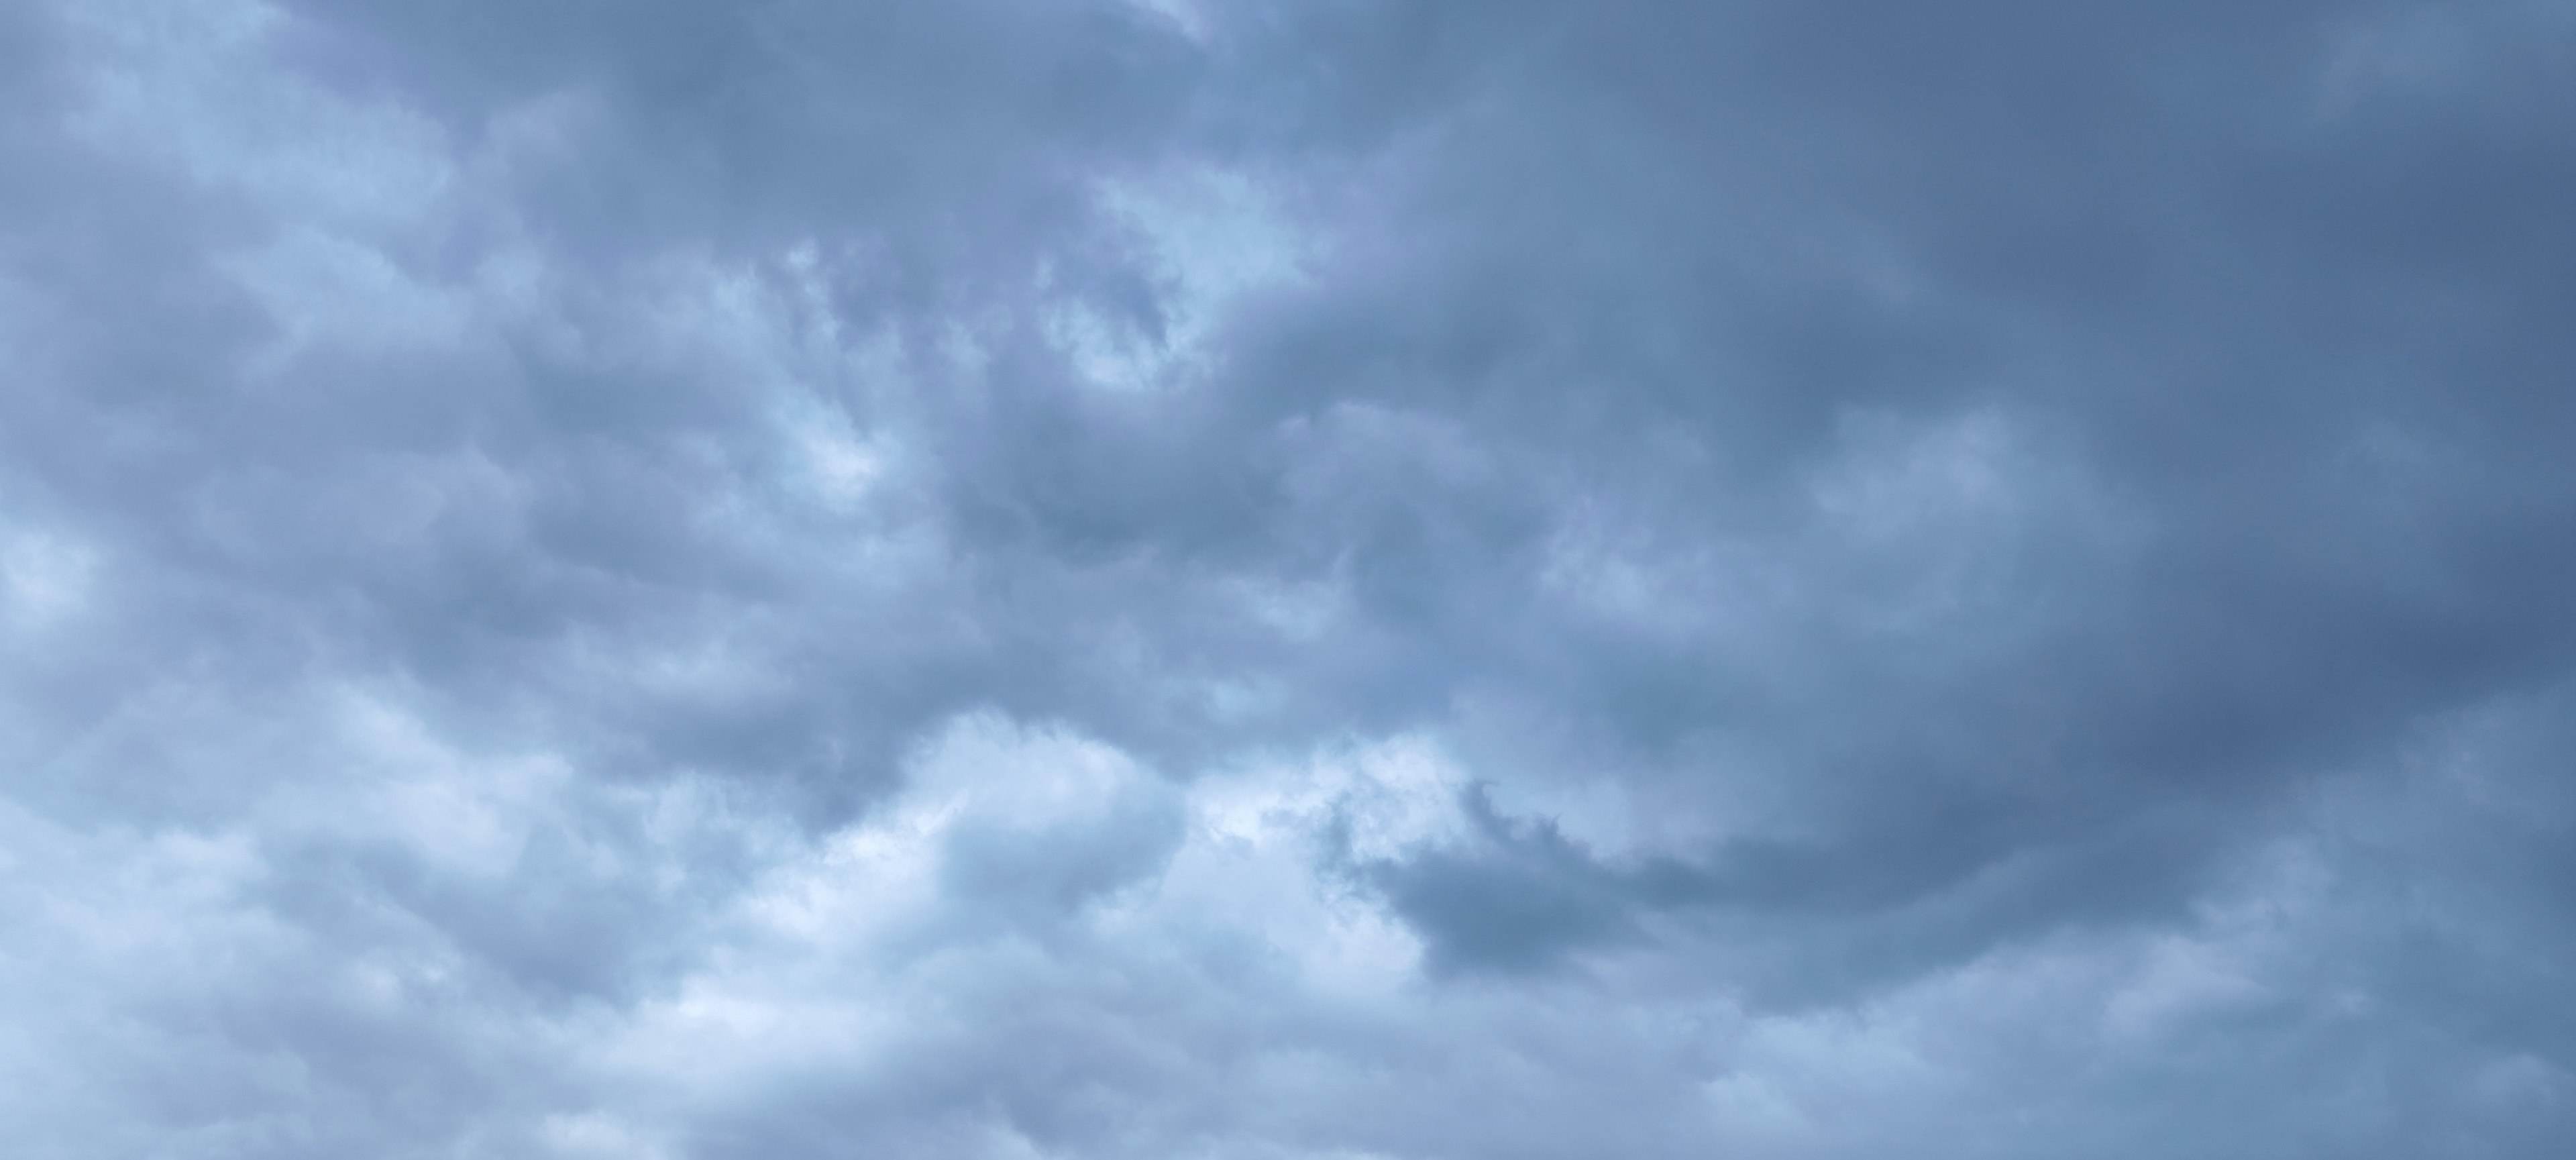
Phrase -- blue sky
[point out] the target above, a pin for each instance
(1344, 580)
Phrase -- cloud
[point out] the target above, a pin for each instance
(1022, 578)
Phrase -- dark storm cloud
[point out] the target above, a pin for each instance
(1343, 579)
(2114, 234)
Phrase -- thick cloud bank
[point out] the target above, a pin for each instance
(1266, 580)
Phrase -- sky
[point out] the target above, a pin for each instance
(1287, 579)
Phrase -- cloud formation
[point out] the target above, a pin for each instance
(1359, 579)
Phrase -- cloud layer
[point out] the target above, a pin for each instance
(1358, 579)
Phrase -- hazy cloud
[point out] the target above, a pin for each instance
(1354, 579)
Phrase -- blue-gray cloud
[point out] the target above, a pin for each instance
(1389, 579)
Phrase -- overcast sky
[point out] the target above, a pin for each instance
(1287, 579)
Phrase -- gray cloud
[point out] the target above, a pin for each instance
(1327, 580)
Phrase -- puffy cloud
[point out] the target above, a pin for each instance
(1100, 578)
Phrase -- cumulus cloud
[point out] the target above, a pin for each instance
(1390, 579)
